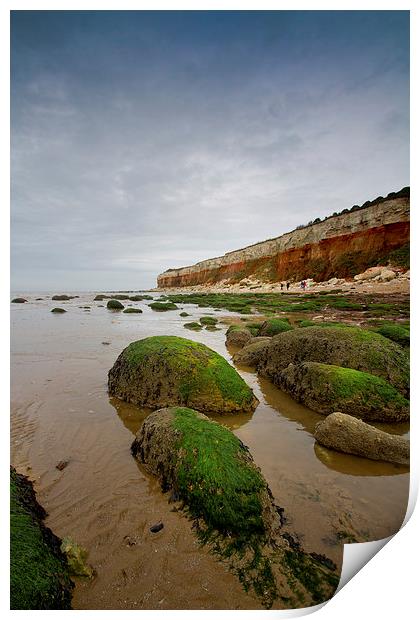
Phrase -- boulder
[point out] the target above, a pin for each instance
(369, 274)
(272, 327)
(386, 275)
(61, 297)
(252, 353)
(214, 476)
(238, 336)
(114, 304)
(39, 574)
(19, 300)
(161, 371)
(163, 306)
(347, 434)
(325, 388)
(58, 310)
(132, 311)
(99, 297)
(196, 327)
(350, 347)
(208, 320)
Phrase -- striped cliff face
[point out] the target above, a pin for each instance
(339, 246)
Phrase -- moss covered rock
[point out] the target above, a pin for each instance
(183, 314)
(196, 327)
(99, 297)
(161, 371)
(252, 353)
(213, 474)
(208, 320)
(350, 347)
(326, 388)
(397, 333)
(58, 310)
(39, 574)
(61, 297)
(272, 327)
(114, 304)
(163, 306)
(19, 300)
(140, 297)
(347, 434)
(132, 311)
(238, 336)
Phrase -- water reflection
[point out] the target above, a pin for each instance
(356, 465)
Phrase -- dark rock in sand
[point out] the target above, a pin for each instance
(156, 527)
(347, 434)
(113, 304)
(350, 347)
(99, 297)
(61, 465)
(61, 297)
(19, 300)
(167, 370)
(325, 388)
(58, 310)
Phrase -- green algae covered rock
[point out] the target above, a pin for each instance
(350, 347)
(238, 336)
(272, 327)
(184, 314)
(114, 304)
(327, 388)
(58, 310)
(163, 306)
(208, 320)
(215, 478)
(76, 558)
(196, 327)
(132, 311)
(397, 333)
(39, 574)
(161, 371)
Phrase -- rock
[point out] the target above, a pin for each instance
(140, 297)
(184, 314)
(325, 388)
(252, 353)
(161, 371)
(114, 304)
(61, 465)
(19, 300)
(76, 558)
(333, 281)
(99, 297)
(39, 574)
(196, 327)
(120, 297)
(255, 339)
(61, 297)
(106, 342)
(386, 275)
(350, 347)
(369, 274)
(272, 327)
(208, 320)
(132, 311)
(163, 306)
(397, 333)
(210, 470)
(156, 527)
(58, 310)
(347, 434)
(238, 336)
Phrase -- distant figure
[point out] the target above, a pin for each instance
(287, 285)
(304, 285)
(281, 286)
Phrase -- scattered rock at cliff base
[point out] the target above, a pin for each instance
(132, 311)
(347, 434)
(238, 336)
(211, 471)
(196, 327)
(19, 300)
(252, 353)
(163, 306)
(39, 574)
(324, 387)
(114, 304)
(161, 371)
(58, 310)
(350, 347)
(272, 327)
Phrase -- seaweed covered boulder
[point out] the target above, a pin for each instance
(161, 371)
(163, 306)
(344, 433)
(194, 326)
(114, 304)
(238, 336)
(252, 353)
(208, 320)
(132, 311)
(326, 388)
(19, 300)
(272, 327)
(62, 297)
(397, 333)
(212, 473)
(39, 574)
(58, 310)
(350, 347)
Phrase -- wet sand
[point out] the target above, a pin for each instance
(105, 501)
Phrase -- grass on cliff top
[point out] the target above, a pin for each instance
(216, 479)
(347, 384)
(38, 578)
(201, 369)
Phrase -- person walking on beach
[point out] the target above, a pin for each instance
(281, 286)
(287, 285)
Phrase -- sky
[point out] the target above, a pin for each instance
(143, 140)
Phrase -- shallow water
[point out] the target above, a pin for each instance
(105, 501)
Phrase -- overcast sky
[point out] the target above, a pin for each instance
(148, 140)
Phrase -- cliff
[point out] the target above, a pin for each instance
(341, 246)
